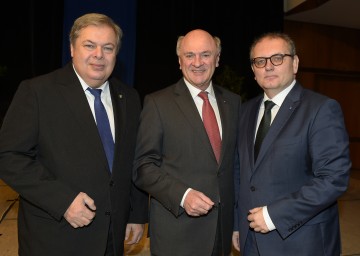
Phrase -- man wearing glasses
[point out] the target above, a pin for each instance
(293, 161)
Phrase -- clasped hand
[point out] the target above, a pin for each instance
(81, 211)
(197, 204)
(257, 221)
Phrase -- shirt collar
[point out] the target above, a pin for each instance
(195, 91)
(104, 86)
(280, 97)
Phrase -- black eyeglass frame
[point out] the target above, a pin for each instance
(253, 61)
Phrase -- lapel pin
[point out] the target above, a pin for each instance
(120, 96)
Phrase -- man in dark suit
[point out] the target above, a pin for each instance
(71, 201)
(191, 189)
(286, 198)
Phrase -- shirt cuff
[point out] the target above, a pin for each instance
(183, 199)
(268, 220)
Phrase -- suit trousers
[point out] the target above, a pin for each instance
(217, 251)
(110, 243)
(251, 248)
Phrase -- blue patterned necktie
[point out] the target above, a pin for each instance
(103, 126)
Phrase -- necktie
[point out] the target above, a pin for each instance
(103, 126)
(211, 126)
(263, 127)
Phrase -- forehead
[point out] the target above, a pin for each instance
(270, 46)
(198, 42)
(100, 32)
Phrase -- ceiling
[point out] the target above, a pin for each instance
(341, 13)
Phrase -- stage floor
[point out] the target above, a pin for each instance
(349, 205)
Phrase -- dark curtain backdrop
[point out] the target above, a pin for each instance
(159, 23)
(31, 40)
(35, 37)
(122, 12)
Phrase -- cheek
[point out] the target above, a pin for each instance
(111, 60)
(257, 73)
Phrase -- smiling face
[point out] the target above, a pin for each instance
(198, 57)
(273, 79)
(94, 54)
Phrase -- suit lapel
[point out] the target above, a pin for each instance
(253, 116)
(72, 92)
(225, 116)
(187, 106)
(119, 107)
(286, 110)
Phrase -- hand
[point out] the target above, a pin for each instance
(81, 212)
(236, 240)
(257, 221)
(136, 231)
(197, 204)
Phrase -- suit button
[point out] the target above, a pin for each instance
(252, 188)
(111, 183)
(107, 213)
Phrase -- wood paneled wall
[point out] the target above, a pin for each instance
(330, 64)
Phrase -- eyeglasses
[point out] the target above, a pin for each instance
(276, 60)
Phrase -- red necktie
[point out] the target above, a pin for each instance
(211, 126)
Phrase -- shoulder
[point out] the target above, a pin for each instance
(45, 82)
(121, 88)
(167, 92)
(317, 100)
(226, 94)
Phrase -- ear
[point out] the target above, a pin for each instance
(217, 60)
(295, 64)
(71, 50)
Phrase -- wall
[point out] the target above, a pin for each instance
(330, 64)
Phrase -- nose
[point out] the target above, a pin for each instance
(98, 53)
(197, 61)
(269, 66)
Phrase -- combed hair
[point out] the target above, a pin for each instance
(95, 19)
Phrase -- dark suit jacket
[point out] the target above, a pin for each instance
(173, 154)
(50, 150)
(301, 170)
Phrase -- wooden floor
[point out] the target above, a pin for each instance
(349, 206)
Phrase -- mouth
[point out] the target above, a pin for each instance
(270, 77)
(97, 66)
(198, 71)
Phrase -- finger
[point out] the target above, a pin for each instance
(85, 221)
(127, 232)
(253, 225)
(73, 224)
(206, 199)
(250, 217)
(89, 202)
(136, 237)
(132, 241)
(77, 223)
(88, 214)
